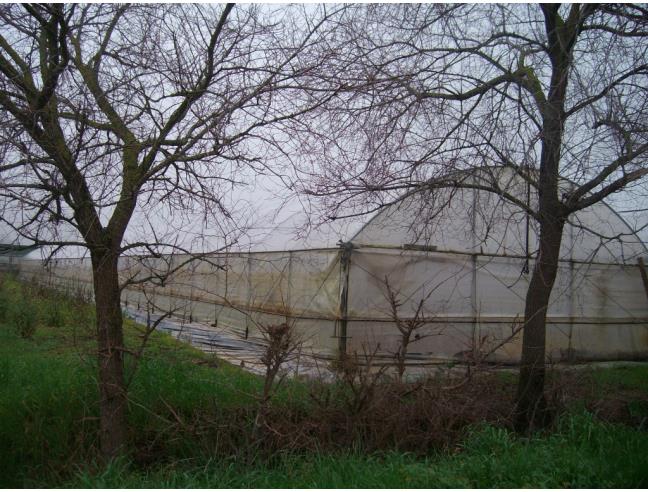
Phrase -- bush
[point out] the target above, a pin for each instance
(4, 304)
(53, 314)
(23, 316)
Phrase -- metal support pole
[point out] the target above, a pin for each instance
(288, 305)
(473, 286)
(644, 276)
(473, 301)
(570, 346)
(345, 262)
(525, 267)
(249, 296)
(572, 297)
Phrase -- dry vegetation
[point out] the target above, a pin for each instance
(195, 422)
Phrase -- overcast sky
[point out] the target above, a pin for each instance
(267, 216)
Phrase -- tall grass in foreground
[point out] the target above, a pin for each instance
(583, 453)
(49, 396)
(191, 417)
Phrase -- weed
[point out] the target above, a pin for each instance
(281, 346)
(53, 314)
(583, 453)
(23, 316)
(4, 304)
(191, 423)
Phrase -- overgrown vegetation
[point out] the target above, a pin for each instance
(192, 419)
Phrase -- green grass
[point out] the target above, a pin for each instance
(48, 424)
(48, 391)
(584, 453)
(630, 377)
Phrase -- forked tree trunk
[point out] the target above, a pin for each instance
(531, 406)
(112, 390)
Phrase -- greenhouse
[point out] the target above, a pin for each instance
(459, 275)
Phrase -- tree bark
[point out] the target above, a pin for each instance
(531, 406)
(112, 389)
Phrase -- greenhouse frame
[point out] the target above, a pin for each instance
(461, 275)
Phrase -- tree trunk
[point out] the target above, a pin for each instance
(531, 406)
(112, 390)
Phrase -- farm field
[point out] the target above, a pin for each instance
(192, 419)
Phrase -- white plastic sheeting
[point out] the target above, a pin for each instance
(465, 253)
(472, 301)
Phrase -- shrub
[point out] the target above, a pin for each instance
(4, 304)
(22, 315)
(53, 314)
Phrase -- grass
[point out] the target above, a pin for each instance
(48, 391)
(584, 453)
(190, 416)
(633, 378)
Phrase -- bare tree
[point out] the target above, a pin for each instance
(409, 328)
(435, 92)
(122, 115)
